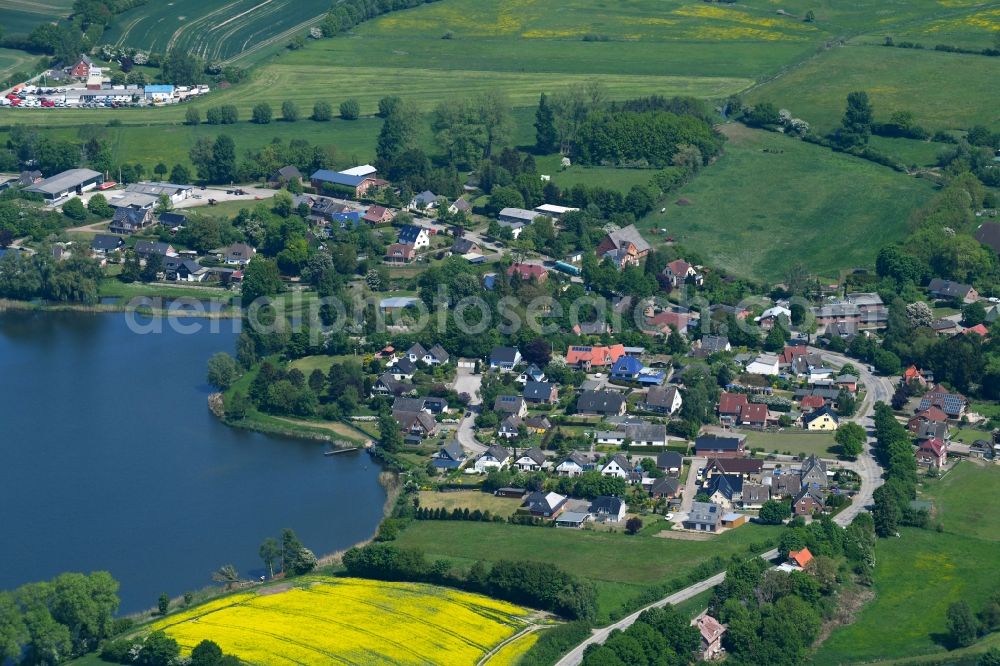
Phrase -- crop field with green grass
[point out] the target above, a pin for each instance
(921, 573)
(770, 200)
(928, 83)
(620, 565)
(22, 16)
(215, 30)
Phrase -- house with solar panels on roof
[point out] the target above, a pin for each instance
(952, 404)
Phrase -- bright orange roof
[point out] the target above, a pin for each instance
(800, 557)
(595, 355)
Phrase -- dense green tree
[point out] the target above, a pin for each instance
(223, 370)
(180, 175)
(98, 205)
(774, 512)
(856, 126)
(852, 438)
(322, 111)
(289, 111)
(206, 653)
(296, 559)
(158, 650)
(546, 135)
(260, 279)
(962, 626)
(192, 116)
(163, 604)
(262, 113)
(270, 553)
(75, 210)
(973, 313)
(350, 109)
(182, 68)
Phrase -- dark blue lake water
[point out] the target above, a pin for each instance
(111, 460)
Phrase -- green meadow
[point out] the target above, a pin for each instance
(22, 16)
(943, 90)
(924, 571)
(771, 201)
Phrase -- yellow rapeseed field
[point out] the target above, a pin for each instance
(349, 620)
(511, 653)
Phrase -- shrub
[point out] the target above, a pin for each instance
(350, 109)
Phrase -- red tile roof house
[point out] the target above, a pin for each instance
(811, 403)
(666, 320)
(978, 329)
(730, 405)
(528, 272)
(711, 631)
(754, 415)
(933, 453)
(790, 353)
(912, 373)
(399, 253)
(678, 271)
(800, 558)
(594, 356)
(378, 215)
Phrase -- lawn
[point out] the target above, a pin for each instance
(309, 363)
(618, 179)
(471, 500)
(620, 565)
(345, 620)
(114, 288)
(771, 201)
(919, 574)
(917, 577)
(922, 81)
(794, 441)
(967, 500)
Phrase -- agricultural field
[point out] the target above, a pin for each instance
(22, 16)
(919, 574)
(924, 82)
(348, 620)
(230, 31)
(771, 199)
(621, 566)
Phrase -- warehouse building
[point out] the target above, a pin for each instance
(67, 183)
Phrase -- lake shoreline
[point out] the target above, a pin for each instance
(13, 305)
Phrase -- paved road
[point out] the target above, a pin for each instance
(600, 635)
(690, 488)
(877, 389)
(468, 382)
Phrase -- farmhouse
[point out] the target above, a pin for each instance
(67, 183)
(625, 246)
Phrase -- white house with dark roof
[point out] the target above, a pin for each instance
(413, 235)
(618, 466)
(505, 359)
(495, 457)
(531, 460)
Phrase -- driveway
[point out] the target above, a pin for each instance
(468, 382)
(690, 489)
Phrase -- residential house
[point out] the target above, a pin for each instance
(104, 244)
(952, 291)
(411, 234)
(713, 446)
(711, 344)
(348, 219)
(517, 216)
(436, 355)
(587, 357)
(730, 406)
(754, 415)
(532, 374)
(662, 400)
(81, 70)
(666, 487)
(531, 460)
(821, 419)
(238, 254)
(510, 427)
(174, 221)
(419, 424)
(378, 215)
(463, 246)
(933, 431)
(541, 392)
(128, 221)
(495, 457)
(625, 247)
(847, 382)
(511, 404)
(792, 352)
(800, 559)
(646, 434)
(813, 474)
(603, 403)
(545, 505)
(618, 466)
(608, 509)
(703, 517)
(952, 404)
(402, 369)
(754, 495)
(505, 359)
(680, 272)
(515, 226)
(874, 313)
(399, 253)
(944, 326)
(772, 315)
(837, 313)
(725, 490)
(592, 328)
(808, 502)
(745, 468)
(426, 200)
(913, 374)
(449, 456)
(670, 463)
(785, 485)
(669, 320)
(528, 272)
(184, 270)
(574, 464)
(386, 384)
(538, 425)
(627, 368)
(284, 175)
(932, 453)
(460, 205)
(764, 364)
(810, 403)
(145, 248)
(711, 632)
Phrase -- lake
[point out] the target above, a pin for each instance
(110, 459)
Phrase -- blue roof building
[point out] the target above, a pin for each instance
(350, 219)
(336, 178)
(627, 368)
